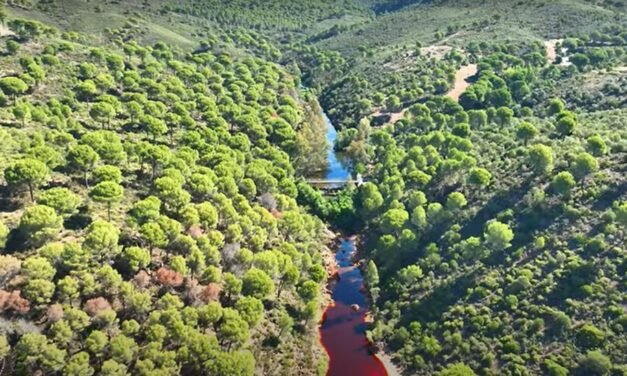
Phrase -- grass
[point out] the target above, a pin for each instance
(487, 20)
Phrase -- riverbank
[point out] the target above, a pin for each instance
(389, 366)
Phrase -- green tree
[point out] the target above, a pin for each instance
(371, 198)
(565, 126)
(154, 235)
(102, 112)
(556, 106)
(39, 291)
(393, 103)
(563, 183)
(12, 46)
(233, 329)
(555, 369)
(309, 290)
(122, 348)
(13, 87)
(61, 199)
(289, 278)
(108, 173)
(457, 369)
(112, 368)
(393, 220)
(27, 172)
(498, 235)
(39, 224)
(107, 192)
(5, 348)
(526, 132)
(136, 258)
(101, 240)
(596, 145)
(4, 234)
(595, 363)
(479, 177)
(38, 267)
(235, 363)
(589, 336)
(22, 112)
(257, 283)
(620, 210)
(153, 126)
(83, 158)
(33, 352)
(250, 309)
(69, 289)
(96, 342)
(583, 165)
(456, 201)
(540, 158)
(78, 365)
(232, 285)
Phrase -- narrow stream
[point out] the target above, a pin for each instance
(344, 325)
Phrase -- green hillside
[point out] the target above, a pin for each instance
(155, 219)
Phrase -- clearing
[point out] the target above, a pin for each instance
(461, 80)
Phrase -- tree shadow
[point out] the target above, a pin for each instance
(16, 241)
(8, 203)
(431, 307)
(77, 221)
(608, 197)
(496, 204)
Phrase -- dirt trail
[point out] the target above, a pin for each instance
(461, 84)
(5, 32)
(394, 116)
(459, 87)
(551, 49)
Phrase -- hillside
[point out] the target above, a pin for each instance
(156, 217)
(148, 218)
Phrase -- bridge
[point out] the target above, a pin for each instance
(332, 185)
(331, 181)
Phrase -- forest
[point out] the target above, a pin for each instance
(158, 214)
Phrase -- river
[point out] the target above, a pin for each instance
(343, 330)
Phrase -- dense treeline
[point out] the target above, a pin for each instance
(495, 226)
(273, 15)
(149, 222)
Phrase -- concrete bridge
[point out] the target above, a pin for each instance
(330, 185)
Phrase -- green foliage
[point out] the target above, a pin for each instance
(595, 364)
(257, 283)
(29, 173)
(498, 235)
(202, 150)
(563, 183)
(40, 224)
(108, 192)
(541, 159)
(13, 86)
(458, 369)
(63, 200)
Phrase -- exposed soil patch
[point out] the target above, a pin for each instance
(394, 116)
(551, 49)
(5, 31)
(438, 52)
(461, 80)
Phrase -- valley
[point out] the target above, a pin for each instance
(354, 187)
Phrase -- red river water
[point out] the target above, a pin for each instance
(343, 328)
